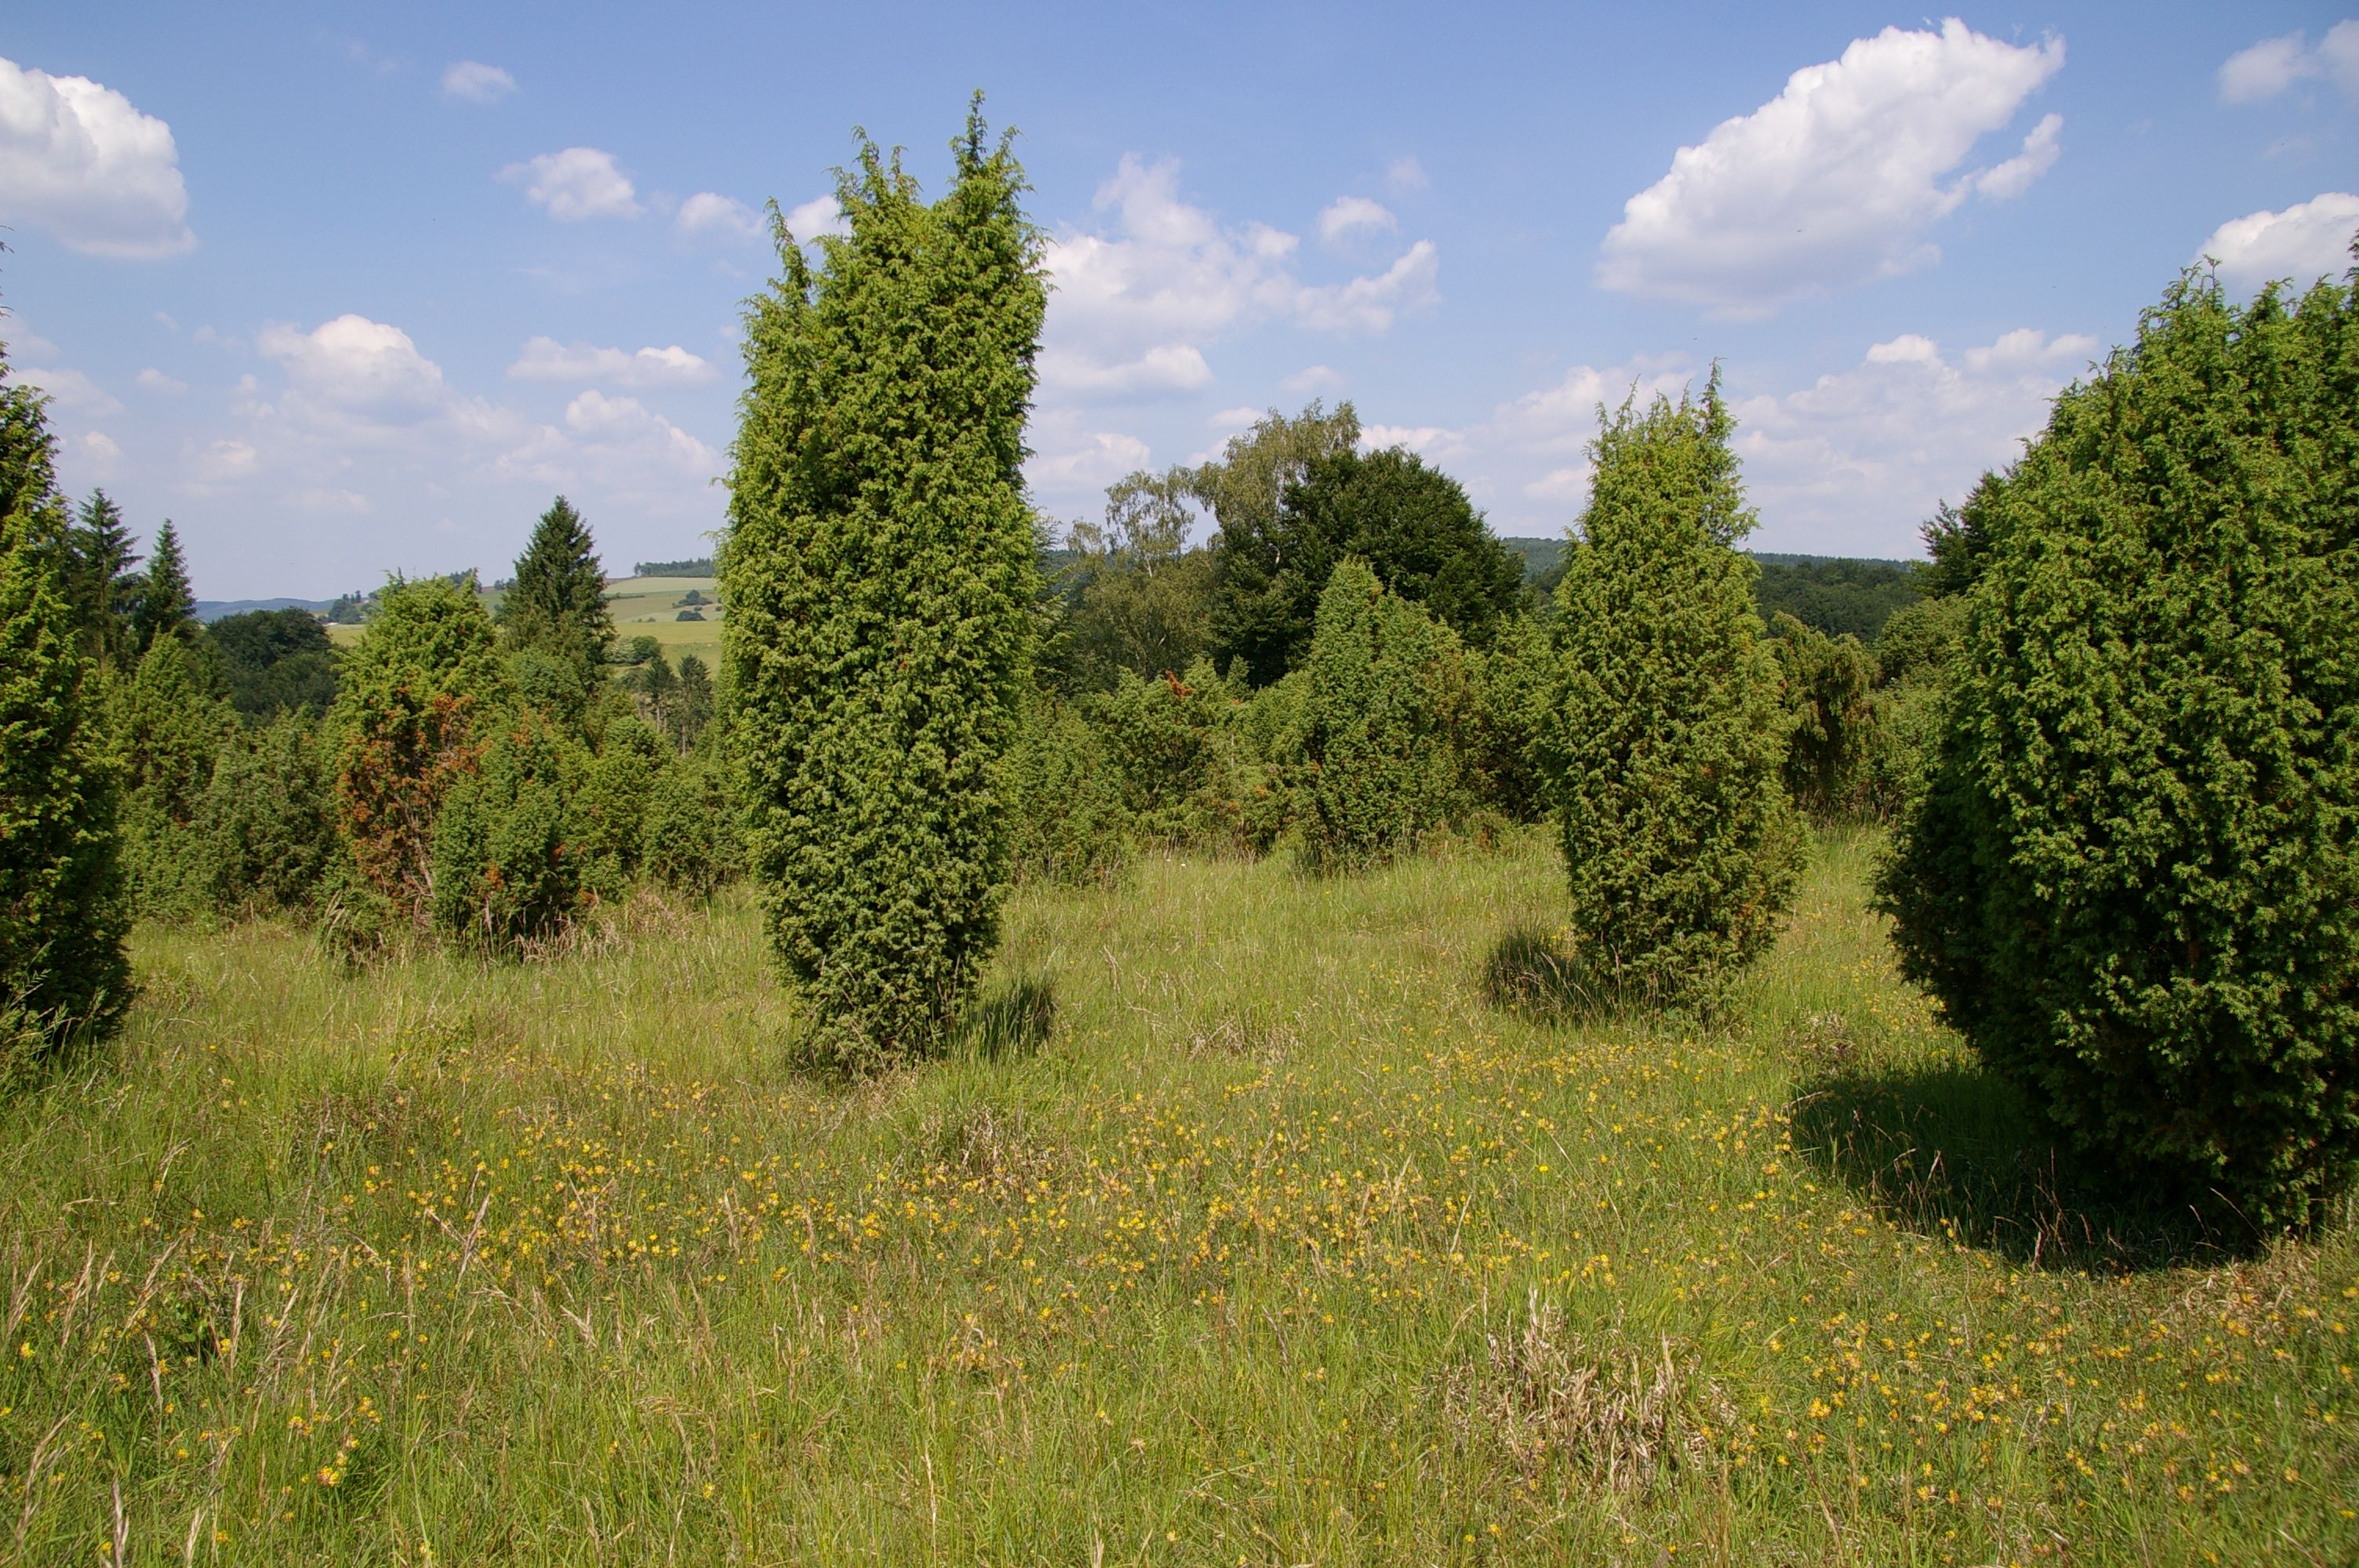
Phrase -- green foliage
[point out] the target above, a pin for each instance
(1411, 524)
(62, 912)
(1138, 598)
(166, 606)
(558, 602)
(697, 566)
(275, 661)
(418, 686)
(1833, 596)
(2133, 880)
(1830, 684)
(99, 579)
(1066, 818)
(267, 823)
(610, 802)
(1381, 773)
(167, 731)
(879, 573)
(1959, 540)
(1174, 750)
(509, 867)
(1665, 733)
(1507, 686)
(689, 712)
(689, 843)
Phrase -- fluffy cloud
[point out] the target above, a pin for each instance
(1170, 273)
(1405, 177)
(1071, 462)
(1853, 462)
(1837, 179)
(98, 453)
(819, 215)
(357, 371)
(1313, 379)
(77, 159)
(2306, 241)
(546, 359)
(708, 213)
(1348, 216)
(476, 82)
(1171, 367)
(162, 385)
(70, 389)
(577, 184)
(2271, 66)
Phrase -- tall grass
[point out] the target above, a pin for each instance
(1246, 1224)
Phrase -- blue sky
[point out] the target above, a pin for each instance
(350, 291)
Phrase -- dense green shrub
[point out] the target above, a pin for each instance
(62, 912)
(1173, 747)
(610, 799)
(2133, 880)
(167, 731)
(689, 845)
(1665, 732)
(268, 824)
(509, 867)
(425, 675)
(1066, 818)
(879, 576)
(1507, 687)
(1830, 692)
(1380, 771)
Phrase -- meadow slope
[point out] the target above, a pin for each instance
(1306, 1233)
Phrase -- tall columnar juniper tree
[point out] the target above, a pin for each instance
(62, 912)
(2134, 879)
(1664, 737)
(879, 576)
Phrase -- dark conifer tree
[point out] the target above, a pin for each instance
(101, 580)
(558, 602)
(167, 605)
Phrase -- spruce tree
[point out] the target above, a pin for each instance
(879, 576)
(62, 914)
(100, 581)
(558, 602)
(166, 607)
(2133, 879)
(1664, 737)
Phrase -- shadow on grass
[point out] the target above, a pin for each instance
(1955, 1151)
(1527, 972)
(1012, 1020)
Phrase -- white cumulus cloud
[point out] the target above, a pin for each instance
(2271, 66)
(1349, 216)
(358, 368)
(575, 185)
(1853, 462)
(476, 82)
(1405, 177)
(2307, 240)
(155, 380)
(70, 389)
(1171, 367)
(1838, 178)
(77, 159)
(819, 215)
(708, 212)
(1313, 379)
(546, 359)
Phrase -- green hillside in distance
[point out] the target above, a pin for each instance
(1835, 594)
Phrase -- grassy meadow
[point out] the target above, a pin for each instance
(1259, 1219)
